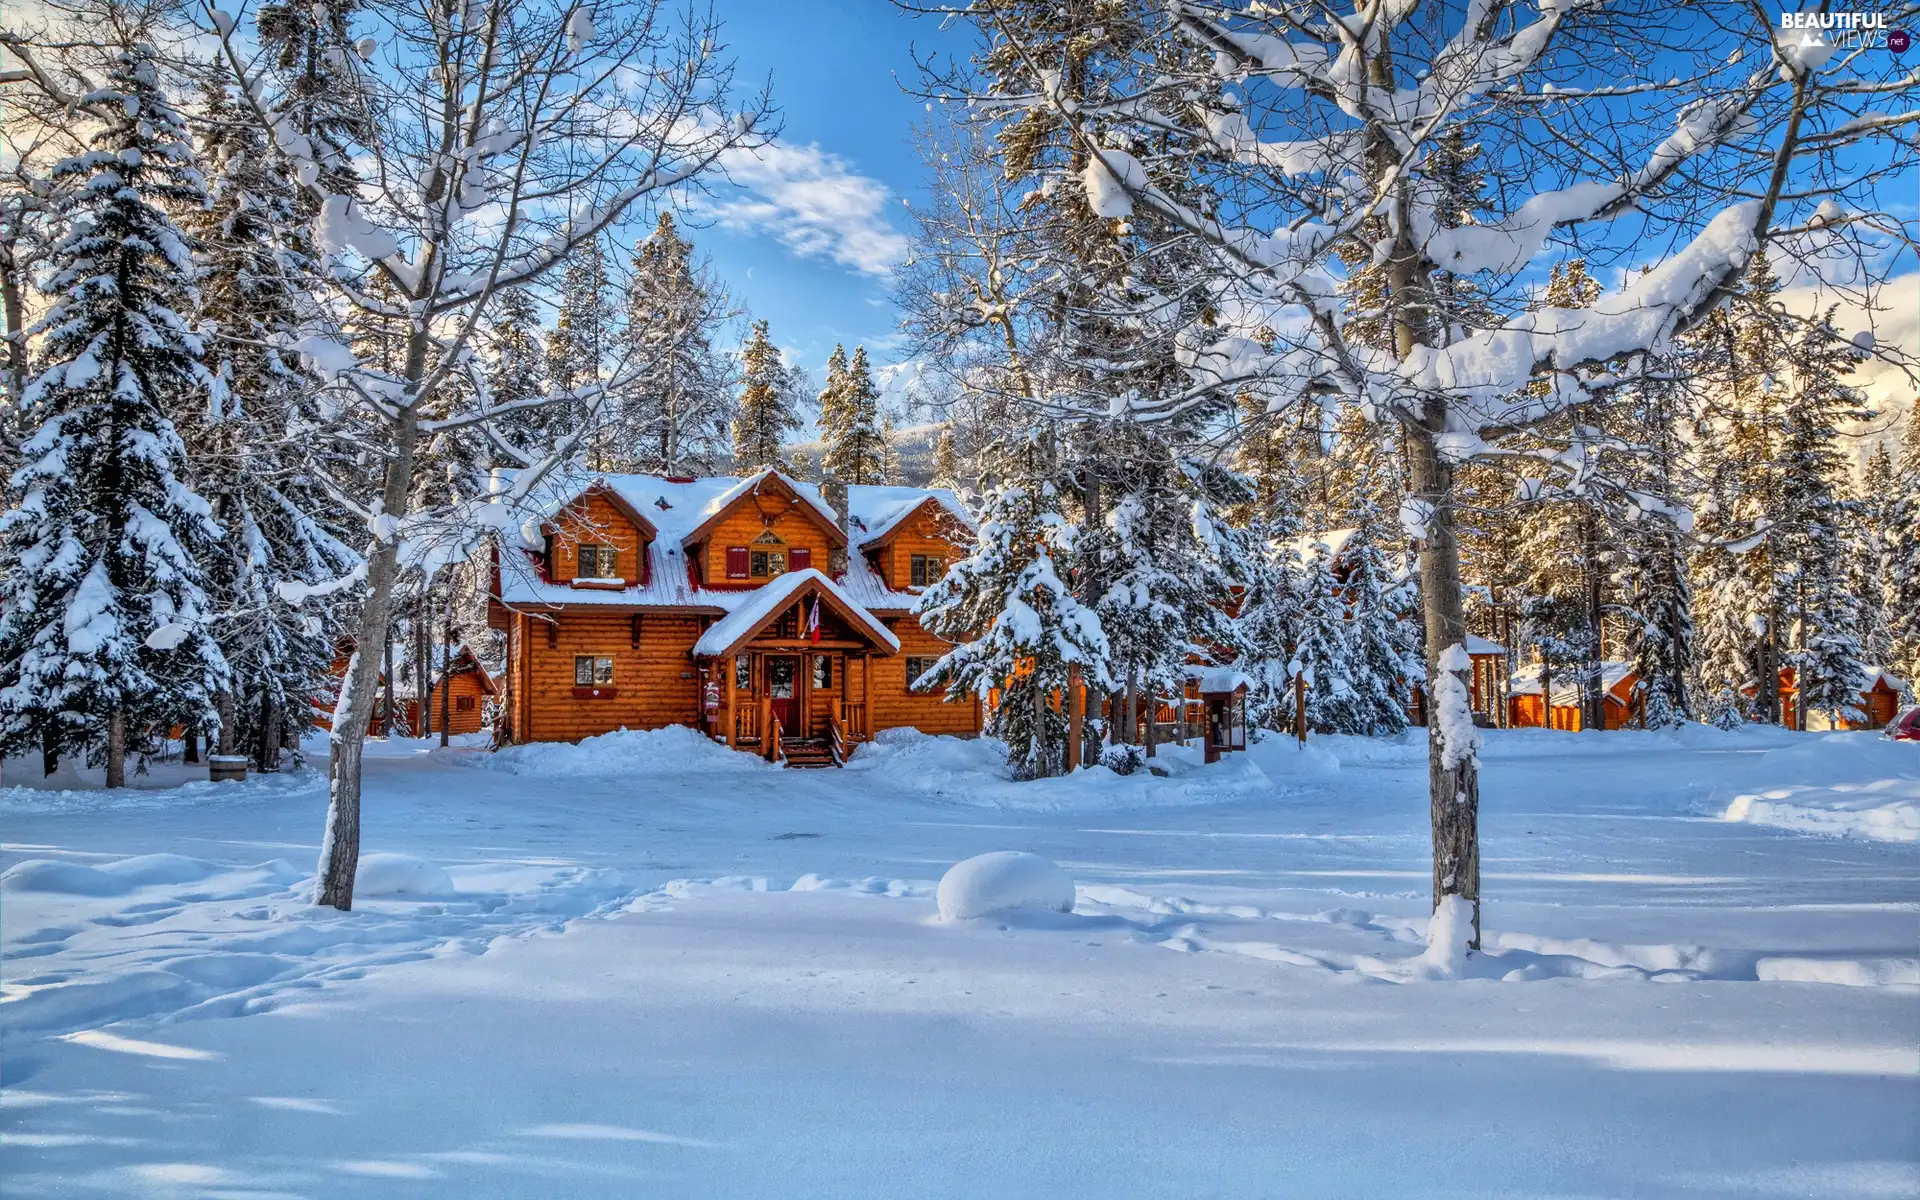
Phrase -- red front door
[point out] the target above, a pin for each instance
(781, 672)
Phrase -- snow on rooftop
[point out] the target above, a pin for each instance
(1566, 682)
(677, 507)
(756, 607)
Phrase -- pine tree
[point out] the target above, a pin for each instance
(517, 372)
(1871, 553)
(677, 414)
(1827, 655)
(765, 416)
(1027, 627)
(1322, 651)
(578, 347)
(1738, 436)
(104, 618)
(247, 452)
(854, 448)
(1383, 641)
(1267, 627)
(946, 460)
(1903, 553)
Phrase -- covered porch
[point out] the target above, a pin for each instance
(789, 675)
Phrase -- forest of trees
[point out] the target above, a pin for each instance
(1261, 342)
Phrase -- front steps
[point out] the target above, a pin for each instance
(807, 754)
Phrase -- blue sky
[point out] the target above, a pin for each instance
(807, 238)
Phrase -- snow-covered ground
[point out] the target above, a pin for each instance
(649, 966)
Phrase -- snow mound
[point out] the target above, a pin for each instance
(1847, 972)
(399, 875)
(1886, 810)
(108, 879)
(1448, 935)
(1000, 882)
(626, 752)
(1840, 784)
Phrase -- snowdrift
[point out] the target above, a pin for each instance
(1841, 784)
(1003, 881)
(633, 753)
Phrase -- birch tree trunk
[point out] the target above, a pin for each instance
(340, 846)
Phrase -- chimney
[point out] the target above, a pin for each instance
(835, 494)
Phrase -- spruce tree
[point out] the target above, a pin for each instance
(1322, 651)
(1383, 641)
(516, 368)
(765, 416)
(676, 414)
(104, 619)
(1903, 559)
(1027, 628)
(1871, 549)
(853, 447)
(1826, 653)
(579, 345)
(248, 454)
(946, 460)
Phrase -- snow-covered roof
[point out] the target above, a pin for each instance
(1219, 679)
(1478, 645)
(677, 508)
(877, 511)
(1566, 683)
(1879, 675)
(1335, 540)
(758, 606)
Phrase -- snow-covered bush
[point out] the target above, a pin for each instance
(1123, 760)
(1003, 881)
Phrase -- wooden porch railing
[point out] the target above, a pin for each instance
(837, 740)
(770, 744)
(746, 723)
(853, 719)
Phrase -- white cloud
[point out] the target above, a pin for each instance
(814, 203)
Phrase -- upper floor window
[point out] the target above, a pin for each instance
(598, 562)
(926, 570)
(765, 564)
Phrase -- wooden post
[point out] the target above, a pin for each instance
(732, 668)
(866, 695)
(1300, 707)
(1076, 716)
(1152, 701)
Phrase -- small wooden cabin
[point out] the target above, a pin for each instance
(468, 686)
(1879, 702)
(749, 608)
(1525, 707)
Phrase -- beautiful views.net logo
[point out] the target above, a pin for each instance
(1832, 31)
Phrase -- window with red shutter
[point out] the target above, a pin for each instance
(799, 558)
(736, 562)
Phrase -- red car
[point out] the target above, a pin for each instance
(1905, 727)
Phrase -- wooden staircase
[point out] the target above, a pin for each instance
(807, 753)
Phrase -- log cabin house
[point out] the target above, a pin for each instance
(1526, 710)
(1879, 702)
(468, 687)
(749, 608)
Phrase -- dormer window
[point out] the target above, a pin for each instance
(925, 570)
(598, 562)
(767, 557)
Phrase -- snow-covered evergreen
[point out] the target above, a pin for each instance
(853, 447)
(105, 625)
(674, 412)
(1027, 627)
(765, 415)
